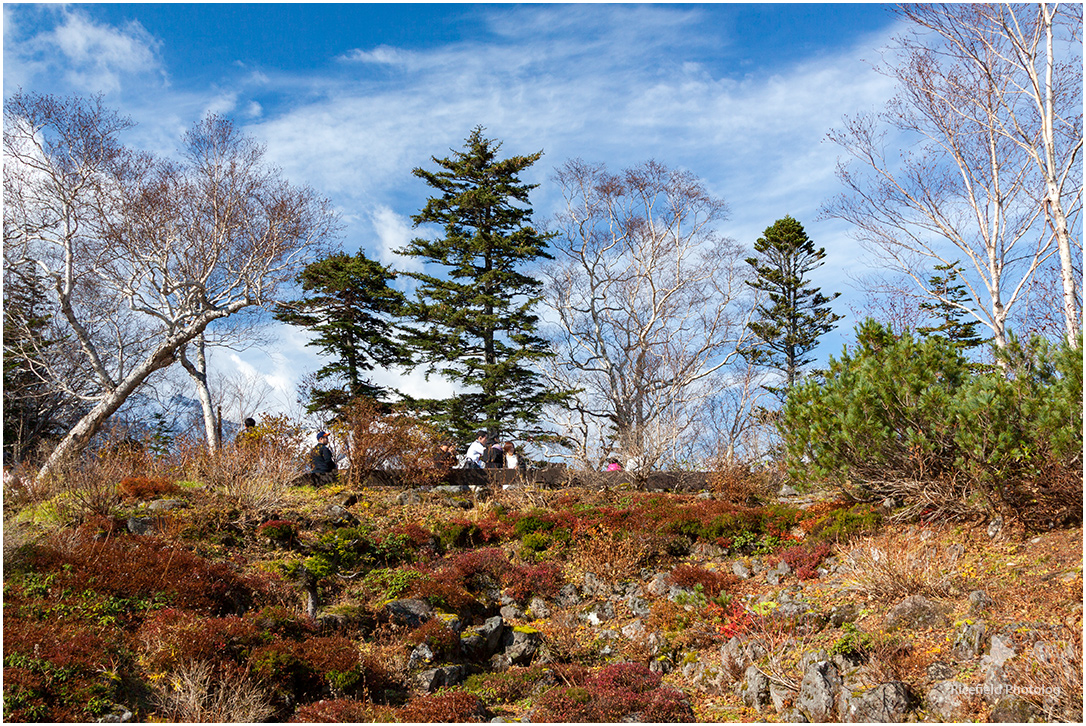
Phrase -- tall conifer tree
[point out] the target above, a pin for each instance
(475, 325)
(350, 308)
(796, 314)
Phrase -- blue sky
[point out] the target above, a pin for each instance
(349, 98)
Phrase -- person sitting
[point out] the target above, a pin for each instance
(511, 459)
(495, 456)
(474, 458)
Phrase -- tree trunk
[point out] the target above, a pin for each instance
(198, 373)
(80, 435)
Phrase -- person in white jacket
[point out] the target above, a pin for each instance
(476, 451)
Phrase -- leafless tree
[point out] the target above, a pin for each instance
(990, 130)
(648, 308)
(140, 254)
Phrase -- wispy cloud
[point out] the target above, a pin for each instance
(92, 57)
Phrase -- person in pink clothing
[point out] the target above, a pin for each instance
(613, 465)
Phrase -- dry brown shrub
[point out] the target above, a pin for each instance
(612, 556)
(898, 565)
(568, 640)
(376, 440)
(193, 694)
(255, 477)
(89, 483)
(736, 483)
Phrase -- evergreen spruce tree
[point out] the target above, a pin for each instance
(34, 409)
(350, 308)
(475, 325)
(948, 310)
(795, 315)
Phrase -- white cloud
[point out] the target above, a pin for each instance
(92, 57)
(393, 233)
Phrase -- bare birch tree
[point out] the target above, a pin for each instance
(649, 308)
(141, 255)
(989, 126)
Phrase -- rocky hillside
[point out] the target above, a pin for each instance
(519, 603)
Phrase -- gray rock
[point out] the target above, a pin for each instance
(1012, 709)
(658, 586)
(141, 525)
(939, 671)
(340, 517)
(787, 491)
(792, 715)
(436, 678)
(740, 570)
(511, 612)
(946, 701)
(969, 640)
(755, 689)
(999, 652)
(774, 576)
(819, 692)
(781, 697)
(491, 631)
(639, 607)
(538, 608)
(567, 596)
(848, 663)
(420, 656)
(995, 527)
(811, 657)
(451, 489)
(411, 612)
(164, 505)
(841, 614)
(979, 601)
(916, 611)
(599, 613)
(594, 586)
(885, 703)
(411, 496)
(521, 645)
(707, 551)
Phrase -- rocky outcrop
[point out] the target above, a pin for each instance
(916, 612)
(820, 693)
(885, 703)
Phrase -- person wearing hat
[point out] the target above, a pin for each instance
(324, 461)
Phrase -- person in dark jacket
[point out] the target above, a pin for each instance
(324, 461)
(495, 456)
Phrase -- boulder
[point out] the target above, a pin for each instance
(141, 525)
(435, 678)
(781, 697)
(521, 644)
(164, 505)
(916, 611)
(819, 692)
(885, 703)
(979, 601)
(969, 640)
(946, 701)
(567, 596)
(638, 606)
(1012, 709)
(411, 612)
(538, 608)
(740, 570)
(755, 689)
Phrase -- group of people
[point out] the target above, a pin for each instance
(487, 452)
(484, 453)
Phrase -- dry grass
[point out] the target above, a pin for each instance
(193, 694)
(612, 556)
(254, 478)
(900, 564)
(1049, 676)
